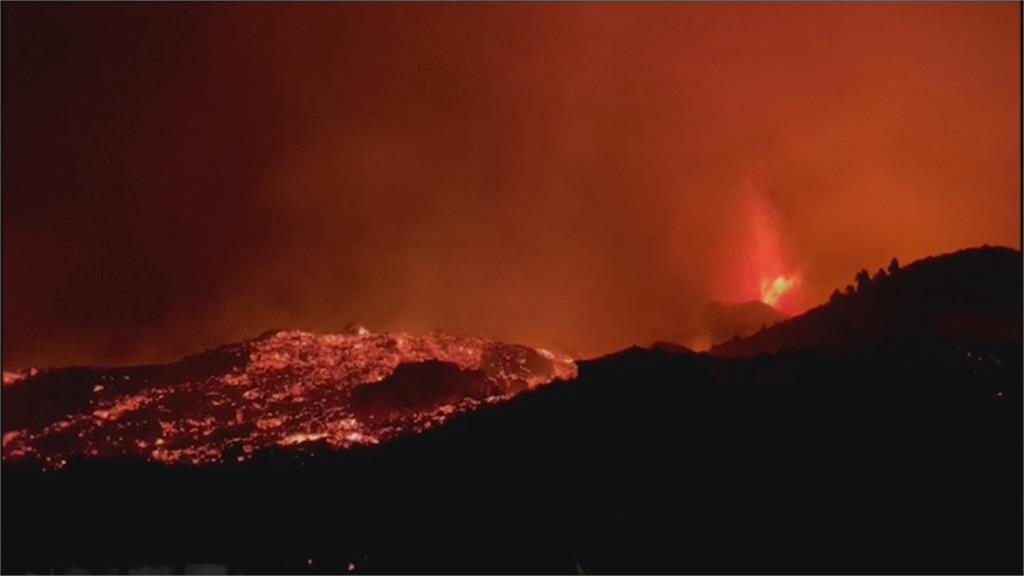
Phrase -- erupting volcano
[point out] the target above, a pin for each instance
(776, 247)
(757, 266)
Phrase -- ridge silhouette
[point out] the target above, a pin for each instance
(970, 294)
(891, 450)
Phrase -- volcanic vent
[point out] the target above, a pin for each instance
(281, 389)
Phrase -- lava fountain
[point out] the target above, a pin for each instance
(756, 266)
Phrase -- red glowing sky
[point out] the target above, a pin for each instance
(576, 177)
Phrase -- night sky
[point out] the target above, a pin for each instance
(577, 177)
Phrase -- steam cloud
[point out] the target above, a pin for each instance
(565, 176)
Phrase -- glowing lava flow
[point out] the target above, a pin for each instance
(282, 389)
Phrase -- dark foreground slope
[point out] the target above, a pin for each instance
(905, 458)
(726, 321)
(973, 293)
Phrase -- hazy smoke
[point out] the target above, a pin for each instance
(567, 176)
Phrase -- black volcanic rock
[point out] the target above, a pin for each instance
(421, 386)
(36, 398)
(671, 348)
(972, 294)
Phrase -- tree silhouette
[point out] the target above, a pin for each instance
(836, 295)
(879, 276)
(894, 266)
(863, 280)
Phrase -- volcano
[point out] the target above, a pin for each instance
(972, 294)
(891, 446)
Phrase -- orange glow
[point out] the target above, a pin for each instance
(294, 389)
(772, 291)
(758, 264)
(580, 177)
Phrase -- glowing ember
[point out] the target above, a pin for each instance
(15, 377)
(771, 291)
(284, 389)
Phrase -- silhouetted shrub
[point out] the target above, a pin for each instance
(894, 266)
(863, 279)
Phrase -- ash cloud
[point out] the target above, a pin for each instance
(565, 176)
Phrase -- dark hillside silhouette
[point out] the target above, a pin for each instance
(892, 460)
(726, 320)
(886, 439)
(419, 385)
(972, 294)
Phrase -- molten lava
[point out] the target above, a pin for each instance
(772, 291)
(283, 389)
(757, 266)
